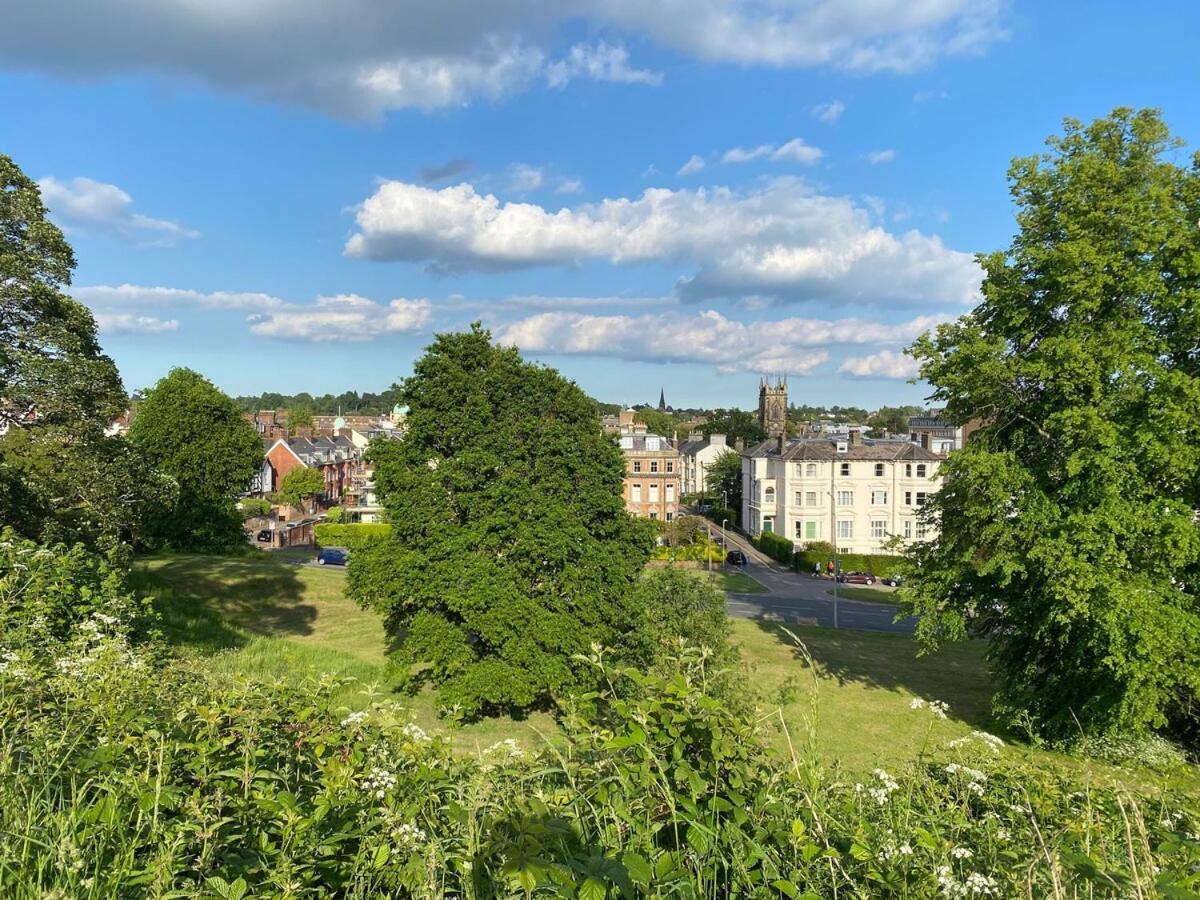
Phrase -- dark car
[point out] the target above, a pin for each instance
(735, 558)
(857, 578)
(264, 536)
(892, 580)
(333, 557)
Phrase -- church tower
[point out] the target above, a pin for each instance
(772, 406)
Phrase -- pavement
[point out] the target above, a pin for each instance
(802, 598)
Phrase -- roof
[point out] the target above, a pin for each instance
(689, 447)
(821, 448)
(929, 422)
(639, 443)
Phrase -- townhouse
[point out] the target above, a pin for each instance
(696, 454)
(652, 475)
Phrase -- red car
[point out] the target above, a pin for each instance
(857, 578)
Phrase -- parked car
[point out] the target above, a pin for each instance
(333, 557)
(735, 558)
(264, 536)
(892, 580)
(857, 578)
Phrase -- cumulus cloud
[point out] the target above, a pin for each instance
(600, 61)
(795, 345)
(875, 157)
(794, 150)
(99, 208)
(342, 318)
(694, 164)
(361, 58)
(102, 295)
(127, 323)
(884, 364)
(829, 112)
(780, 241)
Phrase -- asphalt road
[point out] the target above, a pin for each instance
(803, 599)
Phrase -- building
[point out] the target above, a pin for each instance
(772, 407)
(939, 434)
(337, 459)
(652, 474)
(853, 492)
(696, 454)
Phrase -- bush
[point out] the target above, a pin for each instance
(880, 565)
(351, 536)
(679, 605)
(778, 548)
(333, 515)
(254, 506)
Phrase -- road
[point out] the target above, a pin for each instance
(804, 599)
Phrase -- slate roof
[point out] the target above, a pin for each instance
(820, 448)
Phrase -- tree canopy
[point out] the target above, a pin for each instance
(511, 550)
(725, 481)
(1068, 523)
(191, 431)
(300, 485)
(734, 424)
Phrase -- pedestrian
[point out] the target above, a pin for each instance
(816, 570)
(829, 568)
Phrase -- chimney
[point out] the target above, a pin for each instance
(855, 437)
(739, 445)
(716, 440)
(925, 440)
(782, 442)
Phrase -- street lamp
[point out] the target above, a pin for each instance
(724, 536)
(837, 568)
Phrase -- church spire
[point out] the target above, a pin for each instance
(662, 400)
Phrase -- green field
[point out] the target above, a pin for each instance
(867, 594)
(269, 618)
(737, 583)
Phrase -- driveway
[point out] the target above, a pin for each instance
(793, 597)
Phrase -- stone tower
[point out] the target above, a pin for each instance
(772, 406)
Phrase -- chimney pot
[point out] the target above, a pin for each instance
(855, 437)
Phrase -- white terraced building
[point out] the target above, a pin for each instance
(852, 492)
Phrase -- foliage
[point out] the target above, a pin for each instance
(657, 422)
(878, 564)
(298, 486)
(299, 417)
(512, 551)
(683, 606)
(349, 403)
(191, 431)
(253, 507)
(334, 515)
(725, 480)
(892, 419)
(775, 546)
(734, 424)
(353, 536)
(124, 779)
(1067, 523)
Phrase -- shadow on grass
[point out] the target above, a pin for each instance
(956, 674)
(214, 607)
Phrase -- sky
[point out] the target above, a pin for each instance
(681, 195)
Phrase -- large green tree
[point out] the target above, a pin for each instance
(724, 481)
(1068, 523)
(511, 551)
(300, 485)
(735, 424)
(194, 433)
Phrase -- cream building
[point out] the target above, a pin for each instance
(697, 453)
(852, 492)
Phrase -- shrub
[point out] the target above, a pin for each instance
(679, 605)
(778, 548)
(353, 536)
(333, 515)
(254, 506)
(880, 565)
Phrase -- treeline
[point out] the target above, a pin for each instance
(346, 403)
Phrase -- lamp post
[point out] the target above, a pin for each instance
(837, 568)
(724, 535)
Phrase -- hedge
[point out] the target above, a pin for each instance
(352, 536)
(882, 565)
(778, 548)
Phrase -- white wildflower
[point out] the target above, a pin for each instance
(961, 852)
(355, 718)
(408, 836)
(378, 783)
(414, 732)
(507, 747)
(916, 703)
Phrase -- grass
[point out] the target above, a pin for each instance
(264, 617)
(737, 583)
(867, 594)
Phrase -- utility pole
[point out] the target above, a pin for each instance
(725, 535)
(837, 566)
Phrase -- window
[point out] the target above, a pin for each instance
(669, 517)
(842, 446)
(845, 498)
(921, 470)
(845, 529)
(768, 525)
(799, 498)
(908, 470)
(908, 528)
(845, 469)
(799, 529)
(878, 470)
(810, 530)
(879, 529)
(670, 467)
(920, 498)
(908, 498)
(654, 465)
(769, 495)
(670, 492)
(635, 493)
(879, 498)
(810, 470)
(654, 492)
(810, 498)
(653, 514)
(922, 529)
(637, 465)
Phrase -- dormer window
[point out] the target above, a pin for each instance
(842, 446)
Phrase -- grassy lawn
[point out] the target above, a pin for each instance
(264, 617)
(869, 594)
(737, 583)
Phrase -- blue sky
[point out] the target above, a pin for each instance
(288, 198)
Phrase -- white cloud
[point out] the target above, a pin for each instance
(795, 345)
(569, 186)
(342, 318)
(780, 241)
(361, 58)
(739, 155)
(829, 112)
(126, 323)
(138, 295)
(794, 150)
(694, 164)
(99, 208)
(884, 364)
(875, 157)
(600, 61)
(525, 178)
